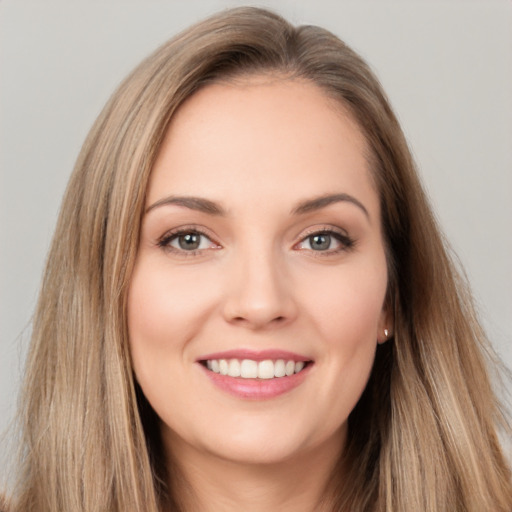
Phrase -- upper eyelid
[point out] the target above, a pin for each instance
(305, 233)
(165, 242)
(343, 237)
(187, 229)
(327, 228)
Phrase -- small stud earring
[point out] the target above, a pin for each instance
(386, 333)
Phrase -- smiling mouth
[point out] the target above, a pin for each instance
(251, 369)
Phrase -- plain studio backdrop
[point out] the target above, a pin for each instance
(446, 66)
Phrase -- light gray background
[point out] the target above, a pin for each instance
(447, 67)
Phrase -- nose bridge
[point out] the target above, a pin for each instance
(258, 293)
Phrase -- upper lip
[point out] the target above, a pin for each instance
(255, 355)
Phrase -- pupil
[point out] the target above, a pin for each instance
(189, 242)
(320, 242)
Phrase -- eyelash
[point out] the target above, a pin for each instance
(165, 241)
(347, 243)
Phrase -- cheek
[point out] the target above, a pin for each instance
(164, 307)
(348, 305)
(347, 316)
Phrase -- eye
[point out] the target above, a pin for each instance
(326, 241)
(320, 242)
(189, 241)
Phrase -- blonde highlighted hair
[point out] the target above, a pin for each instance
(423, 436)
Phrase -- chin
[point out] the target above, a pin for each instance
(264, 444)
(251, 453)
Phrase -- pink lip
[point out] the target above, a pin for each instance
(255, 355)
(256, 389)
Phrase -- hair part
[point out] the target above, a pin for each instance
(423, 435)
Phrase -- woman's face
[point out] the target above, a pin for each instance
(260, 253)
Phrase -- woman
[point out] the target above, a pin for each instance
(247, 302)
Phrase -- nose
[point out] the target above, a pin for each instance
(259, 293)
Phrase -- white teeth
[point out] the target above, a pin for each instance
(223, 367)
(279, 368)
(250, 369)
(234, 368)
(266, 369)
(215, 366)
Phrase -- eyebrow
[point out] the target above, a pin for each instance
(193, 203)
(318, 203)
(203, 205)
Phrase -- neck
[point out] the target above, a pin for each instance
(209, 483)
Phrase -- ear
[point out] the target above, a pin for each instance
(386, 326)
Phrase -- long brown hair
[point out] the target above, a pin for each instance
(424, 434)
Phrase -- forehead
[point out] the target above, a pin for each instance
(258, 134)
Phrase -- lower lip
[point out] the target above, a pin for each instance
(257, 389)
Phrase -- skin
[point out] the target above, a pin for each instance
(257, 148)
